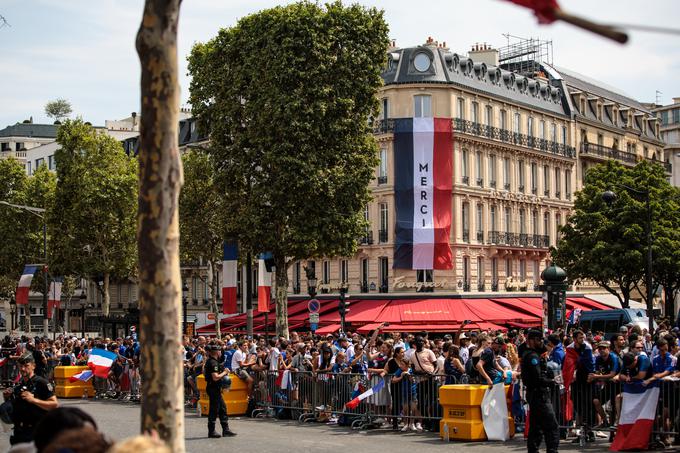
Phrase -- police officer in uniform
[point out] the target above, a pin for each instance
(214, 373)
(31, 398)
(538, 381)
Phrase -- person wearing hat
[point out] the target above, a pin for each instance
(538, 382)
(214, 373)
(31, 398)
(606, 367)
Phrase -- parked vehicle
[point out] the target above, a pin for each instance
(610, 321)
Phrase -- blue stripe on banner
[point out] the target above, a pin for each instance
(230, 251)
(403, 193)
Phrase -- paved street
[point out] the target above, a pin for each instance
(120, 420)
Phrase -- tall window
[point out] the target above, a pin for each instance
(520, 175)
(553, 132)
(508, 220)
(522, 270)
(600, 139)
(546, 223)
(364, 275)
(423, 106)
(492, 170)
(480, 272)
(492, 218)
(488, 116)
(383, 222)
(50, 162)
(296, 277)
(541, 130)
(558, 224)
(466, 221)
(385, 109)
(516, 125)
(384, 270)
(530, 126)
(534, 222)
(522, 221)
(425, 276)
(494, 270)
(326, 272)
(564, 135)
(534, 177)
(478, 169)
(475, 112)
(567, 184)
(537, 272)
(464, 166)
(466, 272)
(506, 173)
(344, 272)
(508, 267)
(382, 172)
(546, 180)
(504, 120)
(461, 108)
(480, 223)
(558, 182)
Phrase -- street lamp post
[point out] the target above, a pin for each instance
(311, 282)
(39, 212)
(609, 197)
(13, 313)
(185, 302)
(83, 307)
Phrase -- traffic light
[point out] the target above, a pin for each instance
(343, 304)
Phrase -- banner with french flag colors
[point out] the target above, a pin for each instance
(264, 284)
(229, 277)
(54, 296)
(423, 180)
(100, 362)
(25, 284)
(638, 410)
(353, 403)
(84, 376)
(571, 359)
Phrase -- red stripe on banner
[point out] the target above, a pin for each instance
(442, 157)
(633, 437)
(229, 300)
(22, 295)
(264, 296)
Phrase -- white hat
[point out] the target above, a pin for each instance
(462, 336)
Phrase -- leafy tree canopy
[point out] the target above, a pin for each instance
(58, 109)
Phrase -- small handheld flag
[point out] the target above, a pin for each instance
(352, 404)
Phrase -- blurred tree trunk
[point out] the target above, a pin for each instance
(160, 180)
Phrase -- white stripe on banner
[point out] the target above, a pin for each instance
(638, 406)
(423, 184)
(229, 274)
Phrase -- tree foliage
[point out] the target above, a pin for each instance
(608, 243)
(287, 94)
(201, 219)
(58, 109)
(21, 231)
(92, 220)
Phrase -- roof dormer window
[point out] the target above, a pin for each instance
(422, 62)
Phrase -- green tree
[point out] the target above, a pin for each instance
(287, 94)
(92, 220)
(201, 221)
(608, 243)
(58, 109)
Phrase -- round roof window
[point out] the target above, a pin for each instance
(422, 62)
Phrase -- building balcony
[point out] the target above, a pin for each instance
(466, 235)
(386, 126)
(466, 180)
(382, 180)
(519, 240)
(367, 239)
(382, 236)
(591, 149)
(480, 182)
(480, 236)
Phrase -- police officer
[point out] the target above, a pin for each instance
(31, 398)
(538, 382)
(214, 373)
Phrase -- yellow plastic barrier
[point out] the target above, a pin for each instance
(66, 389)
(462, 412)
(236, 398)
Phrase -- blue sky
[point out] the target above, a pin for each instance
(83, 50)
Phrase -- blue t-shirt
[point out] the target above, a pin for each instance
(228, 354)
(662, 363)
(557, 355)
(603, 366)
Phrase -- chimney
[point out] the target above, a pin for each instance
(484, 54)
(676, 100)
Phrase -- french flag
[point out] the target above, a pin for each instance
(229, 277)
(25, 284)
(353, 403)
(82, 376)
(574, 316)
(264, 284)
(571, 359)
(423, 167)
(100, 362)
(54, 298)
(638, 411)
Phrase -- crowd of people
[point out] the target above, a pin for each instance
(327, 371)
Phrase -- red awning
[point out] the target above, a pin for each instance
(332, 328)
(360, 311)
(410, 327)
(530, 305)
(585, 303)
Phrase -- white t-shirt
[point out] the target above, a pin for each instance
(274, 359)
(464, 354)
(239, 356)
(408, 353)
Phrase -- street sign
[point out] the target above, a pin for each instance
(211, 316)
(314, 326)
(314, 306)
(314, 318)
